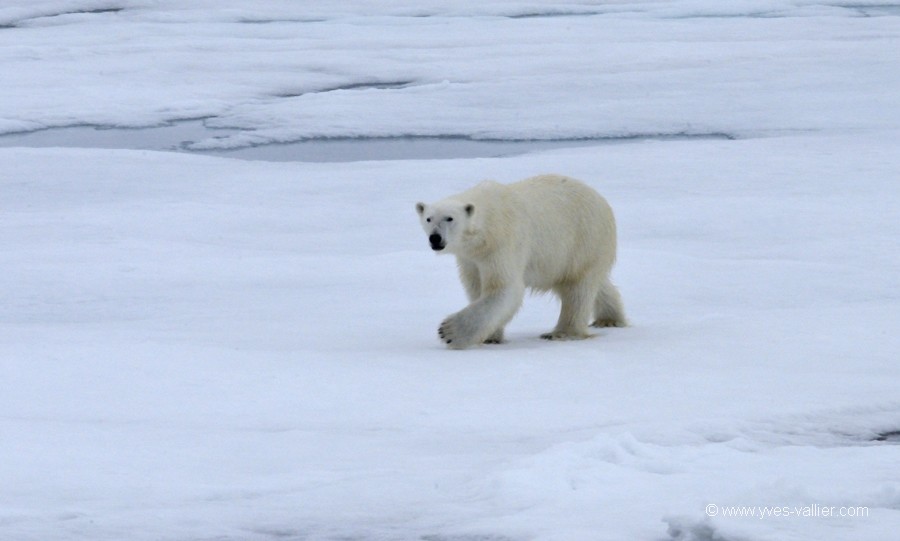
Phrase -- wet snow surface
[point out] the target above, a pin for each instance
(197, 348)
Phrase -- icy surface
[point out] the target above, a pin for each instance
(282, 71)
(197, 348)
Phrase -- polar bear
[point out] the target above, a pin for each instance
(547, 233)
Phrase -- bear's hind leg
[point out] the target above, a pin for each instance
(577, 303)
(608, 311)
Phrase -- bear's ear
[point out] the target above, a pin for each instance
(420, 208)
(470, 209)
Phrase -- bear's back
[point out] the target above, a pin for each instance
(570, 227)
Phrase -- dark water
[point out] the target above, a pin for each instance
(892, 436)
(178, 136)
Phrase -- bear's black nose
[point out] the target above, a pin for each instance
(437, 243)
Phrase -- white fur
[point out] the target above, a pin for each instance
(547, 233)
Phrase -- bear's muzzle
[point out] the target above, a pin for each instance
(437, 243)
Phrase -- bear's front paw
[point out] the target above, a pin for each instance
(458, 332)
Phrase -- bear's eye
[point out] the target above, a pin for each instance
(428, 220)
(450, 218)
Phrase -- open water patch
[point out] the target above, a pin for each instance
(858, 10)
(379, 85)
(553, 14)
(465, 537)
(166, 137)
(250, 20)
(182, 135)
(891, 436)
(16, 23)
(349, 149)
(874, 10)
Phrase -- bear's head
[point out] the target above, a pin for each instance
(445, 223)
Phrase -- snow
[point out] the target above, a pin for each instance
(498, 70)
(200, 348)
